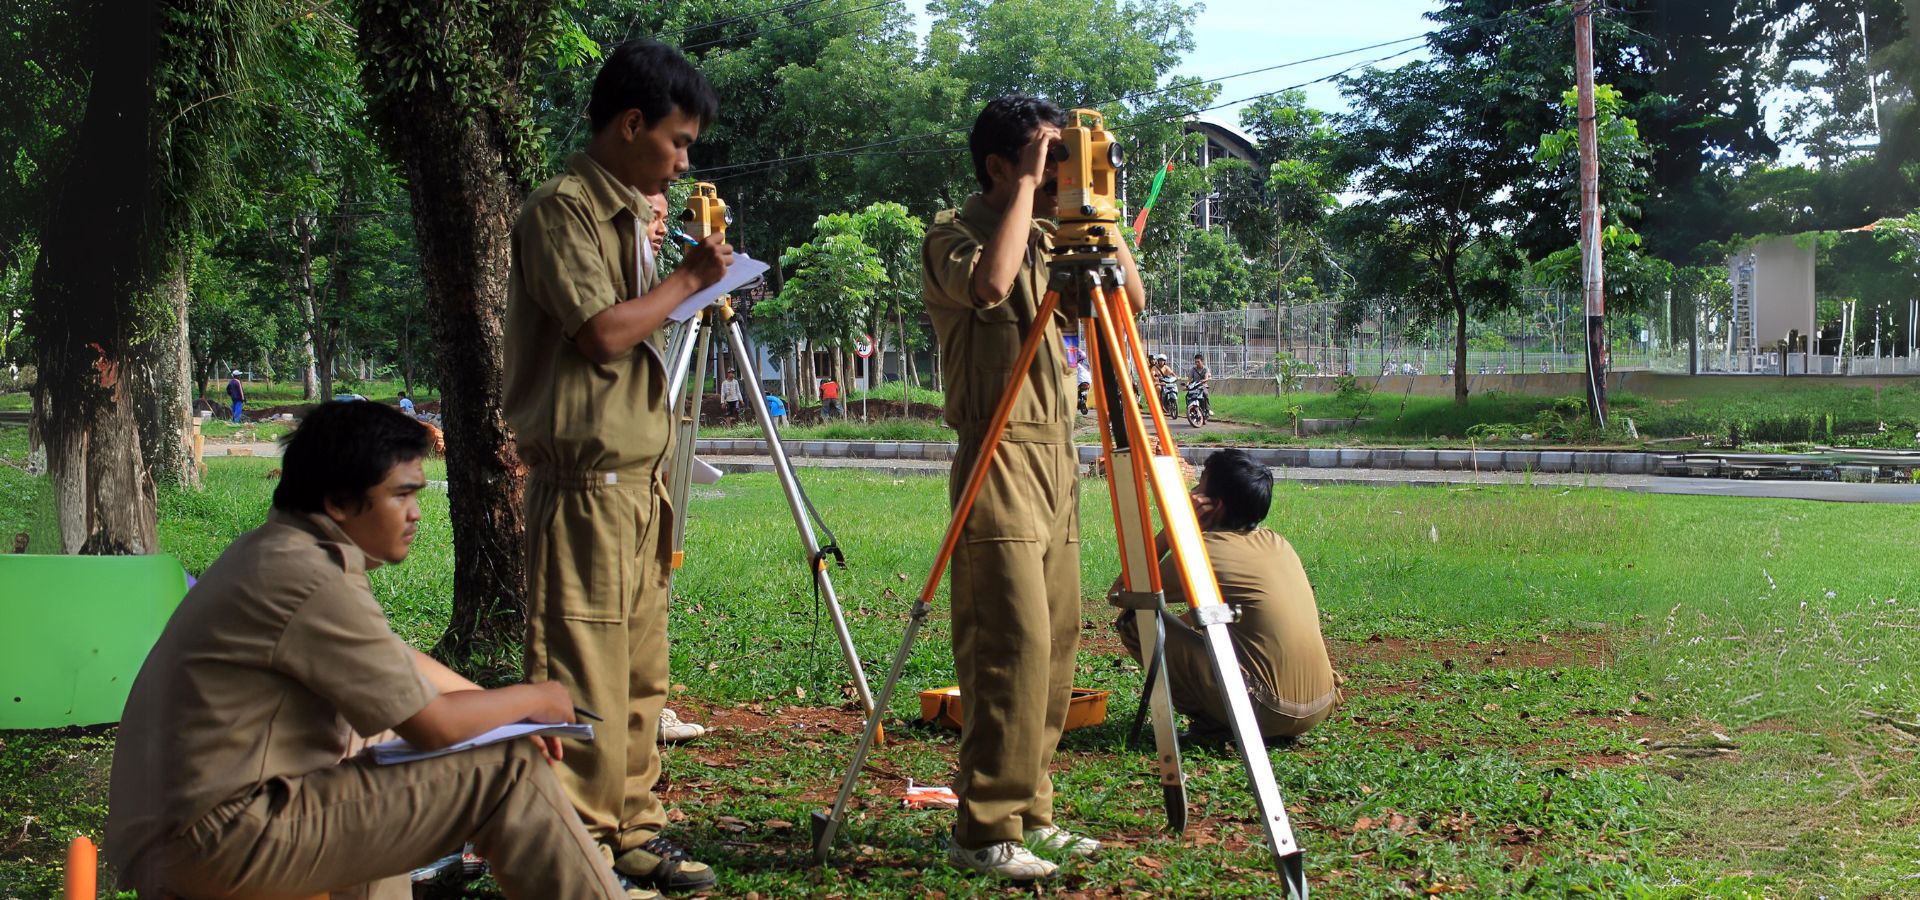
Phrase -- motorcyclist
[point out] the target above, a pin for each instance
(1197, 381)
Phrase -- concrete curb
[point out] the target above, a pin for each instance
(1553, 461)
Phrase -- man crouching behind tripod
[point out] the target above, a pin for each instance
(1016, 571)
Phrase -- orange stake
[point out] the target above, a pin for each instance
(83, 869)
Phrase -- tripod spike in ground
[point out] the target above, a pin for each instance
(1293, 873)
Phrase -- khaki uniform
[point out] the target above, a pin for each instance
(599, 540)
(228, 775)
(1277, 638)
(1016, 571)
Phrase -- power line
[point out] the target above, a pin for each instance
(782, 162)
(579, 113)
(727, 21)
(751, 34)
(779, 164)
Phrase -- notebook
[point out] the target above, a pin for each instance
(388, 753)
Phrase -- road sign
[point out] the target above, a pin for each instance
(864, 348)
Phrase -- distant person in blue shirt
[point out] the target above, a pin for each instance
(777, 409)
(406, 405)
(237, 394)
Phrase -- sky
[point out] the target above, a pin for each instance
(1232, 36)
(1237, 35)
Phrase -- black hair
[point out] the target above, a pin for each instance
(653, 78)
(342, 449)
(1243, 489)
(1004, 127)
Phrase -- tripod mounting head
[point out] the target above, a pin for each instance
(706, 213)
(1090, 161)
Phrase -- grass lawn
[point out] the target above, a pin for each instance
(1550, 692)
(1757, 409)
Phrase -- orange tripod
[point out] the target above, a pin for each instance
(1086, 275)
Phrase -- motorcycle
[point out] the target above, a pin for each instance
(1197, 407)
(1169, 397)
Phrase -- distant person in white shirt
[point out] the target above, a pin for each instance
(730, 394)
(406, 405)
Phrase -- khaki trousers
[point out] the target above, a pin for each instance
(357, 829)
(1196, 689)
(1015, 590)
(597, 566)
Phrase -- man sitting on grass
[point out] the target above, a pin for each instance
(1277, 637)
(236, 771)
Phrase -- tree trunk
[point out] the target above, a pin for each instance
(94, 258)
(466, 154)
(162, 374)
(309, 373)
(907, 383)
(1459, 351)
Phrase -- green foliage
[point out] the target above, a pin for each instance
(826, 301)
(1353, 395)
(1435, 228)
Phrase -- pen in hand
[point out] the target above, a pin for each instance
(586, 713)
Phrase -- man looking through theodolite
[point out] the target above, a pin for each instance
(1015, 584)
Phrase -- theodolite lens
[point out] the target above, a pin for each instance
(1056, 153)
(1114, 155)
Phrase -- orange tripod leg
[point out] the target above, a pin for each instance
(826, 825)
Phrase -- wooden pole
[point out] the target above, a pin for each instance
(1592, 281)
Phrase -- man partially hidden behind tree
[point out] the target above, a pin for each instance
(1016, 571)
(1277, 635)
(586, 396)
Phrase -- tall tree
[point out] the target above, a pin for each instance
(1436, 170)
(148, 151)
(447, 83)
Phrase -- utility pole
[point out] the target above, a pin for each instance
(1592, 281)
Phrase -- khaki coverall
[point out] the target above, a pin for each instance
(1016, 572)
(1277, 638)
(599, 540)
(231, 776)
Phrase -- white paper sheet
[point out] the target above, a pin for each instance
(745, 270)
(388, 753)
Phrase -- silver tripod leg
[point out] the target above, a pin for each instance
(689, 350)
(796, 502)
(826, 826)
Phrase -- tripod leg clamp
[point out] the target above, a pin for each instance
(1148, 600)
(1216, 614)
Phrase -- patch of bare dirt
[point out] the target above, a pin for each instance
(1548, 651)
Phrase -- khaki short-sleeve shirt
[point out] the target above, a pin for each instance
(1277, 637)
(576, 253)
(275, 660)
(979, 344)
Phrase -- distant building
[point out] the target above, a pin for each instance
(1223, 142)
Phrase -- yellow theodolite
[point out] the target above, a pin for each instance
(1088, 178)
(706, 213)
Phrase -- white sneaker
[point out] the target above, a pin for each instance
(1006, 859)
(1055, 838)
(674, 731)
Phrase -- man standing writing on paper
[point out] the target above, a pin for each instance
(1016, 571)
(586, 396)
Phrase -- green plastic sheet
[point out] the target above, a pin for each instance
(74, 631)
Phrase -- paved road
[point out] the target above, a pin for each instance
(1649, 484)
(1830, 491)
